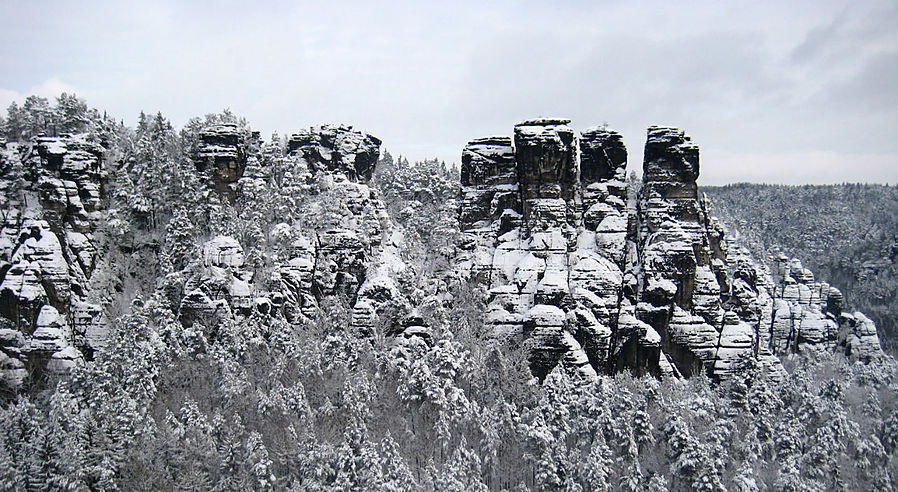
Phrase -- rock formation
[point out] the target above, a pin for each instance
(223, 153)
(548, 239)
(337, 149)
(344, 252)
(806, 315)
(51, 203)
(583, 268)
(589, 274)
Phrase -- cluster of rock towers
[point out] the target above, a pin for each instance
(600, 275)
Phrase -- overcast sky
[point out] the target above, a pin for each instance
(785, 92)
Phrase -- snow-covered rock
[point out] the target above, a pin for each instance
(223, 153)
(63, 361)
(224, 252)
(544, 234)
(50, 334)
(337, 149)
(861, 341)
(47, 244)
(649, 283)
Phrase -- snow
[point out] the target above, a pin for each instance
(651, 336)
(546, 315)
(280, 232)
(662, 285)
(49, 336)
(23, 280)
(55, 146)
(223, 251)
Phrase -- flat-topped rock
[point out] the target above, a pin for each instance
(547, 167)
(671, 158)
(338, 149)
(523, 211)
(489, 161)
(603, 155)
(223, 152)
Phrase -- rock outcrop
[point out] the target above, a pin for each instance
(337, 149)
(548, 239)
(223, 153)
(806, 315)
(344, 250)
(51, 204)
(584, 268)
(588, 273)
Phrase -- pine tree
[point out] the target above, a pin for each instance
(259, 463)
(14, 126)
(395, 472)
(37, 117)
(598, 467)
(70, 114)
(460, 473)
(179, 247)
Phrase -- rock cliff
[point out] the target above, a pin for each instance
(53, 206)
(592, 273)
(52, 202)
(223, 153)
(345, 251)
(337, 149)
(583, 267)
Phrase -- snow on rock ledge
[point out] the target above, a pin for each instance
(591, 275)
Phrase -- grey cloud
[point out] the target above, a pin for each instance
(873, 88)
(853, 32)
(759, 79)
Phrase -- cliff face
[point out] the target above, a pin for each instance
(223, 154)
(845, 233)
(344, 253)
(583, 268)
(54, 206)
(589, 273)
(52, 203)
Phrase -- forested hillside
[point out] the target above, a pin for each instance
(207, 309)
(847, 234)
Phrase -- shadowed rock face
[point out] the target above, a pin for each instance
(338, 149)
(603, 155)
(591, 277)
(223, 153)
(488, 161)
(546, 152)
(490, 183)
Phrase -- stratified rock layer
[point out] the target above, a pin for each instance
(548, 240)
(47, 251)
(337, 149)
(587, 273)
(223, 153)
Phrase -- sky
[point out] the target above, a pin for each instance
(778, 92)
